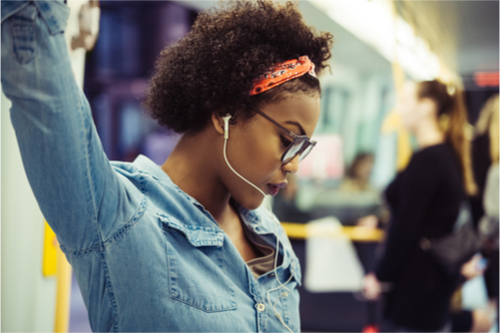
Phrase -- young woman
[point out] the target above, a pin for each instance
(184, 246)
(425, 200)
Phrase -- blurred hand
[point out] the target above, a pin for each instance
(371, 287)
(471, 268)
(370, 221)
(482, 319)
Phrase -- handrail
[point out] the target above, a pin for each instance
(354, 233)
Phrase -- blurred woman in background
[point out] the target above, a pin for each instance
(482, 156)
(485, 214)
(424, 201)
(487, 125)
(357, 185)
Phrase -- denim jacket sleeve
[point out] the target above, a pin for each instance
(80, 195)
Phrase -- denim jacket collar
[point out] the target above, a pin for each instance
(201, 234)
(251, 218)
(156, 171)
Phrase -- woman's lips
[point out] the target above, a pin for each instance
(275, 188)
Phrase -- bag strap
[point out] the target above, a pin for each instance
(464, 217)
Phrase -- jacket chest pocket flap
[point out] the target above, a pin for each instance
(196, 276)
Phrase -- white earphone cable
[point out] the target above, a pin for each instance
(237, 174)
(281, 285)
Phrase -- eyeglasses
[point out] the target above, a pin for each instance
(300, 144)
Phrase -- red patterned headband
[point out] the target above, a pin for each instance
(282, 73)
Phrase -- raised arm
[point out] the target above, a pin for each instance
(68, 171)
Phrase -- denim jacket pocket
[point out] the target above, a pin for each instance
(23, 34)
(54, 13)
(195, 276)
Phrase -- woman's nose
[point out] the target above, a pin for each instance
(293, 165)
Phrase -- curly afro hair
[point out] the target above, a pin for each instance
(214, 66)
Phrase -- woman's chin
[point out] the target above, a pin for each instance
(252, 203)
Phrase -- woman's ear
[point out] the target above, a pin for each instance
(217, 122)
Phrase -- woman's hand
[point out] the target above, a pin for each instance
(370, 221)
(473, 267)
(372, 287)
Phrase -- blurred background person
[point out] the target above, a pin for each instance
(424, 201)
(353, 199)
(482, 157)
(357, 202)
(356, 185)
(486, 202)
(358, 174)
(470, 320)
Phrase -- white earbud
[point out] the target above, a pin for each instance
(226, 125)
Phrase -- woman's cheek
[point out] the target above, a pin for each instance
(269, 159)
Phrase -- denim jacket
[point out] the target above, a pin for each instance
(147, 256)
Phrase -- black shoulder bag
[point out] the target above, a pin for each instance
(455, 249)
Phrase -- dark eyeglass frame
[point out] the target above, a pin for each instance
(296, 140)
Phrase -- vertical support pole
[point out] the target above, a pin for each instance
(404, 145)
(63, 275)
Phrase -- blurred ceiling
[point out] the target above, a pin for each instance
(347, 50)
(464, 34)
(477, 36)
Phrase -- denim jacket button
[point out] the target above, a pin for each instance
(285, 294)
(271, 275)
(261, 307)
